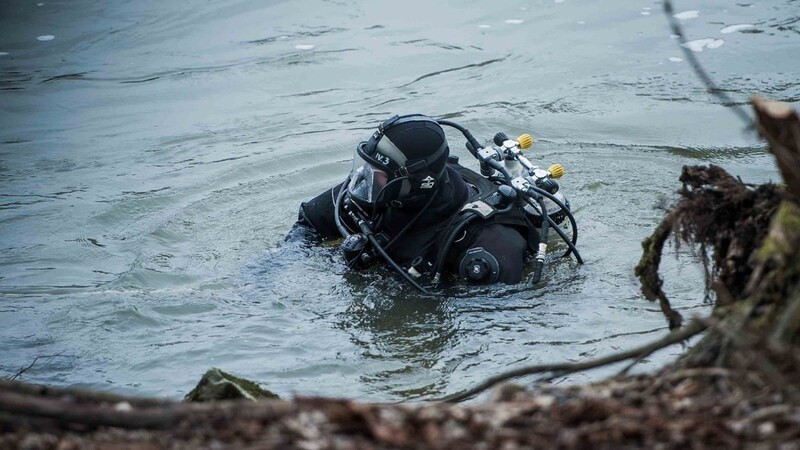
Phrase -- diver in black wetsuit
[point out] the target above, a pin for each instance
(404, 198)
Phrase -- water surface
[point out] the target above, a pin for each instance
(153, 155)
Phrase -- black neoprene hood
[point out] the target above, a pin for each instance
(405, 145)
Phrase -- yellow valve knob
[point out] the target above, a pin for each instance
(556, 170)
(525, 141)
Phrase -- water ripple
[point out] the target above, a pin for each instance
(454, 69)
(298, 34)
(154, 156)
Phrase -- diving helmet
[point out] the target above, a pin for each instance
(401, 165)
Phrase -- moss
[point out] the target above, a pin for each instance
(785, 230)
(775, 289)
(727, 219)
(219, 385)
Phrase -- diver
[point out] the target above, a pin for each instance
(407, 202)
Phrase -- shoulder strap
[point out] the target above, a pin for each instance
(482, 184)
(476, 205)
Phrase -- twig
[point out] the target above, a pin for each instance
(94, 415)
(30, 366)
(770, 411)
(699, 372)
(630, 366)
(691, 329)
(698, 69)
(683, 374)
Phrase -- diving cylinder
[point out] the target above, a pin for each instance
(553, 210)
(514, 168)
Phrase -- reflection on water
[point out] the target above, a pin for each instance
(413, 333)
(153, 155)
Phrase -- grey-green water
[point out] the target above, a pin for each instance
(153, 154)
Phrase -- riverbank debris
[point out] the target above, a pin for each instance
(683, 408)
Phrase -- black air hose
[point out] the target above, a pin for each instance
(566, 210)
(378, 248)
(470, 138)
(336, 218)
(563, 235)
(543, 235)
(440, 260)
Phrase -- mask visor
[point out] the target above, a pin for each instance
(366, 181)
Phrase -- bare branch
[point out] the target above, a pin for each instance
(30, 366)
(693, 328)
(96, 415)
(698, 69)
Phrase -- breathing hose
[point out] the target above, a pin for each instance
(474, 144)
(365, 228)
(439, 266)
(336, 218)
(563, 235)
(571, 218)
(413, 220)
(542, 251)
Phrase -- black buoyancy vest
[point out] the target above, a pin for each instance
(485, 189)
(515, 217)
(420, 240)
(422, 248)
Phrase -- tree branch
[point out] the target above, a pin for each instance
(92, 415)
(693, 328)
(698, 69)
(30, 366)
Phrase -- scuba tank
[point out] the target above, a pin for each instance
(553, 210)
(535, 186)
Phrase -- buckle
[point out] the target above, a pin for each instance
(388, 123)
(414, 167)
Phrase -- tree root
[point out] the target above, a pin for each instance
(716, 212)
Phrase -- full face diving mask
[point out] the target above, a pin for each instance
(400, 165)
(366, 182)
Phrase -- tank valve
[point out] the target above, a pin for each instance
(556, 170)
(525, 141)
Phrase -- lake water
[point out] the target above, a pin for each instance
(153, 155)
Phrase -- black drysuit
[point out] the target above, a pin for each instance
(507, 243)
